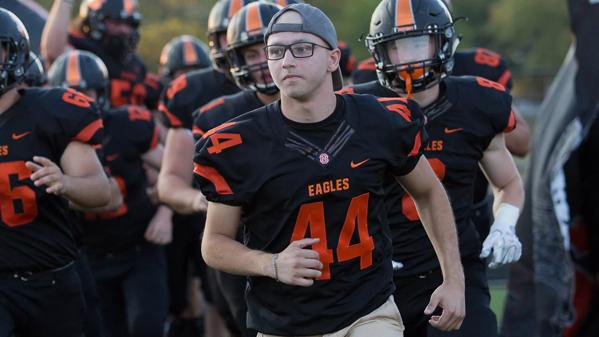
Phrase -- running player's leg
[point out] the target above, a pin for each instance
(146, 293)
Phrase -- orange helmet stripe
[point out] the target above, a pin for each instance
(253, 20)
(73, 75)
(234, 6)
(189, 53)
(403, 13)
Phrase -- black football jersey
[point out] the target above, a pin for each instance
(191, 91)
(36, 231)
(222, 109)
(490, 65)
(366, 72)
(461, 124)
(321, 180)
(484, 63)
(127, 77)
(130, 132)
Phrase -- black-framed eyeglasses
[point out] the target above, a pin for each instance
(298, 50)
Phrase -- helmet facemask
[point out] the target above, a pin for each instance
(253, 77)
(13, 61)
(414, 60)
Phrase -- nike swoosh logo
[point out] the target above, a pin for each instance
(354, 165)
(112, 157)
(20, 135)
(449, 131)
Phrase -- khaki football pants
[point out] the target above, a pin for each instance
(385, 321)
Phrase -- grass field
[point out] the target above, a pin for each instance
(498, 295)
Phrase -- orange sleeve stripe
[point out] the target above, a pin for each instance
(216, 129)
(345, 91)
(89, 131)
(504, 78)
(511, 123)
(212, 105)
(175, 122)
(417, 144)
(389, 99)
(197, 131)
(211, 174)
(155, 138)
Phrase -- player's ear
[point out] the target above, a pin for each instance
(334, 59)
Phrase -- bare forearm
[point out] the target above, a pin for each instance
(512, 193)
(88, 192)
(116, 200)
(223, 253)
(55, 33)
(437, 218)
(177, 193)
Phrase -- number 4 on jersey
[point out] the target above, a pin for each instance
(311, 217)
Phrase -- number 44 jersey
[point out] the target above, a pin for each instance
(321, 180)
(36, 231)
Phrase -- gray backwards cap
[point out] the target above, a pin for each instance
(314, 22)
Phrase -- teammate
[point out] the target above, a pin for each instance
(307, 163)
(46, 160)
(467, 118)
(249, 68)
(183, 54)
(484, 63)
(123, 246)
(109, 29)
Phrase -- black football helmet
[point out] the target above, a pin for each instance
(94, 14)
(184, 52)
(396, 20)
(247, 28)
(14, 53)
(35, 75)
(81, 70)
(218, 21)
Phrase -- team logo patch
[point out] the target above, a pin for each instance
(324, 158)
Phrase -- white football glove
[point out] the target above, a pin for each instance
(502, 240)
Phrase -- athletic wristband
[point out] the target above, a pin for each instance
(507, 215)
(274, 266)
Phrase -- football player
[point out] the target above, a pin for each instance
(183, 54)
(306, 172)
(249, 68)
(490, 65)
(109, 29)
(413, 42)
(47, 159)
(123, 246)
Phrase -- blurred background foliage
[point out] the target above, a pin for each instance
(533, 35)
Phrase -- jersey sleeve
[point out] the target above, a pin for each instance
(80, 118)
(202, 117)
(226, 162)
(406, 126)
(175, 109)
(142, 128)
(495, 105)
